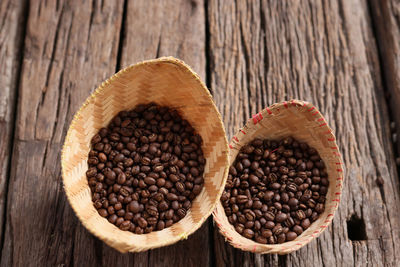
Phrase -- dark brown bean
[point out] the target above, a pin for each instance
(103, 212)
(280, 217)
(248, 233)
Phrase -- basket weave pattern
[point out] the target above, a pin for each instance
(167, 82)
(305, 123)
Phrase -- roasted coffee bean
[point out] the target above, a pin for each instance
(261, 239)
(248, 233)
(268, 195)
(253, 179)
(241, 199)
(257, 205)
(125, 225)
(284, 197)
(150, 180)
(305, 223)
(246, 163)
(266, 233)
(278, 205)
(275, 189)
(239, 228)
(276, 186)
(289, 222)
(281, 238)
(181, 212)
(269, 225)
(250, 215)
(103, 212)
(297, 229)
(280, 217)
(285, 208)
(293, 202)
(319, 208)
(269, 215)
(291, 236)
(277, 230)
(145, 168)
(300, 215)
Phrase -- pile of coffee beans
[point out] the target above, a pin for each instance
(145, 168)
(275, 190)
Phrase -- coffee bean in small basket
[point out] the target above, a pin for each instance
(275, 190)
(145, 169)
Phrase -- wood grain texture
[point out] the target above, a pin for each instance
(323, 52)
(165, 28)
(256, 53)
(386, 20)
(11, 34)
(70, 47)
(61, 66)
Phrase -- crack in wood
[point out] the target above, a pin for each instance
(20, 31)
(122, 33)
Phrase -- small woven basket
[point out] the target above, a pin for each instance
(304, 122)
(167, 82)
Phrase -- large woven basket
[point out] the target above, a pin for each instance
(305, 123)
(167, 82)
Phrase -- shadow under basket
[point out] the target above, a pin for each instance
(304, 122)
(167, 82)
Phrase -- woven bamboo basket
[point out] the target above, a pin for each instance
(167, 82)
(304, 122)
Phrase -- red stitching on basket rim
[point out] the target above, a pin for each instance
(257, 117)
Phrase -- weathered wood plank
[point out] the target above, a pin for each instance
(11, 33)
(323, 52)
(154, 29)
(386, 22)
(70, 46)
(165, 28)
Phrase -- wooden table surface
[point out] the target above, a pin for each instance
(343, 56)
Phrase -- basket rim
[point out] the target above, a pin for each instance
(186, 68)
(287, 247)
